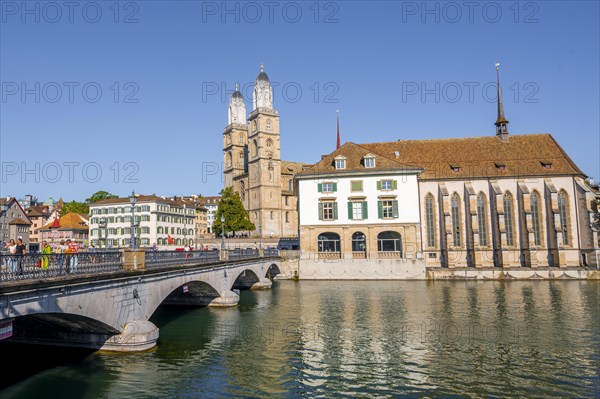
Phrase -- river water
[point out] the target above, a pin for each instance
(355, 339)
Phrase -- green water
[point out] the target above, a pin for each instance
(357, 339)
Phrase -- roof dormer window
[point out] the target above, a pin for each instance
(340, 162)
(547, 164)
(455, 167)
(500, 166)
(369, 161)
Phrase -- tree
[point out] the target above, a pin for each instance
(99, 196)
(76, 207)
(236, 217)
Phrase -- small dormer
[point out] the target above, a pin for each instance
(340, 162)
(455, 167)
(369, 161)
(546, 164)
(500, 166)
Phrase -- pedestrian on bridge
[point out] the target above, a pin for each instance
(11, 248)
(46, 249)
(62, 249)
(19, 252)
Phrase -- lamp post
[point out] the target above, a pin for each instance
(222, 231)
(132, 201)
(4, 210)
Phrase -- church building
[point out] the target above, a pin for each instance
(253, 165)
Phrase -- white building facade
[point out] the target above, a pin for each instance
(168, 223)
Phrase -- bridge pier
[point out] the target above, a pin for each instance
(138, 335)
(263, 284)
(227, 298)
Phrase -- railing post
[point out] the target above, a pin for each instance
(223, 254)
(134, 259)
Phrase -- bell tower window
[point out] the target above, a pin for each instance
(268, 124)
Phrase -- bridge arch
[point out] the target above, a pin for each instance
(273, 271)
(191, 293)
(246, 279)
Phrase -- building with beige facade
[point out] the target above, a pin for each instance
(502, 200)
(253, 165)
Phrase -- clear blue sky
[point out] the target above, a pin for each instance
(162, 123)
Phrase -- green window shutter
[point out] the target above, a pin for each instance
(350, 210)
(335, 211)
(320, 187)
(365, 210)
(394, 184)
(395, 208)
(379, 209)
(379, 185)
(320, 211)
(334, 187)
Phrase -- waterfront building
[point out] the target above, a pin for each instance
(211, 204)
(39, 215)
(501, 200)
(72, 226)
(253, 165)
(14, 222)
(167, 222)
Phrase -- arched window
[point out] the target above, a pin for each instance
(269, 142)
(287, 216)
(359, 242)
(328, 242)
(389, 241)
(228, 139)
(535, 218)
(229, 159)
(254, 148)
(241, 139)
(241, 159)
(242, 190)
(508, 219)
(272, 215)
(268, 124)
(430, 219)
(254, 126)
(482, 219)
(455, 208)
(564, 218)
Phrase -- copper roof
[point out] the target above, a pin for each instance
(70, 221)
(465, 158)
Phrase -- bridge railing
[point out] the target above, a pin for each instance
(239, 253)
(158, 259)
(35, 266)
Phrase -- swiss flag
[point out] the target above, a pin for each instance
(170, 240)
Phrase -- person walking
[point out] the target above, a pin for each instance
(62, 248)
(73, 249)
(10, 247)
(154, 252)
(46, 250)
(19, 253)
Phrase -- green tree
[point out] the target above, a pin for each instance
(74, 206)
(99, 196)
(232, 208)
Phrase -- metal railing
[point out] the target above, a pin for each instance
(238, 254)
(275, 251)
(36, 266)
(158, 259)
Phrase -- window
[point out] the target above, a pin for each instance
(430, 220)
(327, 187)
(357, 210)
(508, 219)
(269, 143)
(228, 138)
(359, 242)
(564, 221)
(254, 126)
(287, 200)
(482, 219)
(272, 215)
(268, 124)
(547, 164)
(387, 185)
(241, 139)
(287, 217)
(328, 210)
(455, 207)
(291, 185)
(242, 190)
(328, 242)
(389, 241)
(387, 209)
(356, 185)
(535, 218)
(340, 163)
(254, 147)
(500, 166)
(369, 162)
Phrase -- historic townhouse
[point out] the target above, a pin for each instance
(168, 223)
(253, 165)
(14, 222)
(495, 201)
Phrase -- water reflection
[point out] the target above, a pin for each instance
(358, 339)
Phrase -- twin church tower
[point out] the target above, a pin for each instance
(253, 165)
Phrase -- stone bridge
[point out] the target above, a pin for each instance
(111, 311)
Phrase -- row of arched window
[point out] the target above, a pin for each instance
(509, 219)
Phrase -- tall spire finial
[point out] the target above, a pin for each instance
(262, 67)
(501, 122)
(237, 86)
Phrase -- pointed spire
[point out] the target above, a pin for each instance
(262, 67)
(237, 86)
(501, 121)
(337, 111)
